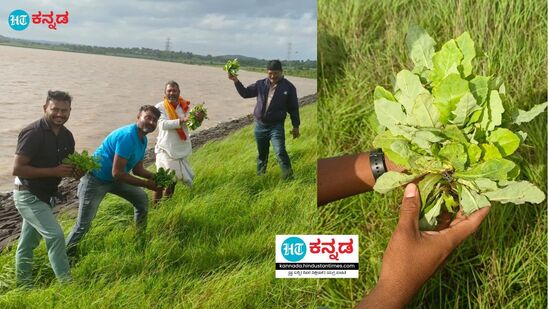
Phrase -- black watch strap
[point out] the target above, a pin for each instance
(377, 163)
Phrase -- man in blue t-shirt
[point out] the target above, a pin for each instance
(122, 151)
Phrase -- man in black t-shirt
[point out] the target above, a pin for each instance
(41, 147)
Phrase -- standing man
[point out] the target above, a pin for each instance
(276, 96)
(122, 151)
(41, 146)
(173, 145)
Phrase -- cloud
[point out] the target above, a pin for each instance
(262, 29)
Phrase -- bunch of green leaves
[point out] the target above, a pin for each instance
(83, 161)
(232, 66)
(196, 116)
(164, 177)
(446, 126)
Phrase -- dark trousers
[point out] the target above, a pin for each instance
(266, 134)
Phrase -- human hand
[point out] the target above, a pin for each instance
(151, 185)
(233, 77)
(295, 132)
(77, 173)
(412, 256)
(183, 119)
(63, 170)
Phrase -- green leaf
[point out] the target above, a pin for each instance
(527, 116)
(506, 141)
(490, 152)
(522, 135)
(426, 164)
(424, 137)
(446, 61)
(374, 123)
(454, 133)
(425, 113)
(420, 47)
(429, 219)
(467, 47)
(391, 180)
(389, 114)
(380, 92)
(455, 154)
(479, 86)
(448, 93)
(408, 87)
(495, 169)
(492, 116)
(449, 202)
(384, 141)
(426, 186)
(517, 192)
(473, 153)
(471, 201)
(464, 108)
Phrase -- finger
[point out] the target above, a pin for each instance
(467, 226)
(409, 210)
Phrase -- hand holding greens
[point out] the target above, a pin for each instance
(196, 116)
(164, 177)
(232, 67)
(83, 161)
(447, 127)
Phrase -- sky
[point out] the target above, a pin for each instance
(261, 29)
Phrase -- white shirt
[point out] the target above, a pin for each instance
(168, 140)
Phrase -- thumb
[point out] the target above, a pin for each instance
(409, 210)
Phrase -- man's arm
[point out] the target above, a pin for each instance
(22, 168)
(170, 124)
(119, 173)
(140, 170)
(245, 92)
(345, 176)
(293, 110)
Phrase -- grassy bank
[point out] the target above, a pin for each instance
(211, 246)
(361, 44)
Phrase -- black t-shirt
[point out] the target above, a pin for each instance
(45, 149)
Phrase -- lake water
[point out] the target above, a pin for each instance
(107, 93)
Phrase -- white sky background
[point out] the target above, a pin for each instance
(261, 29)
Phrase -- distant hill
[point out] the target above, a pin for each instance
(306, 68)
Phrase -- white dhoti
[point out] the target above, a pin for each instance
(182, 168)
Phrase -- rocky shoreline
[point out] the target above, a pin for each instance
(10, 220)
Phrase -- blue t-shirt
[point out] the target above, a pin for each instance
(125, 143)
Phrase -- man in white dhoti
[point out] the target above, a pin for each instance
(173, 145)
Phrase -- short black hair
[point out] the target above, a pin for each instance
(58, 95)
(172, 83)
(149, 108)
(274, 65)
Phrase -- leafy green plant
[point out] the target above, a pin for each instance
(196, 116)
(164, 177)
(232, 67)
(447, 128)
(83, 161)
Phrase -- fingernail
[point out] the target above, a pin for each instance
(410, 191)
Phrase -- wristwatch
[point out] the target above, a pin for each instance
(377, 163)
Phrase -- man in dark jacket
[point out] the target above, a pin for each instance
(276, 96)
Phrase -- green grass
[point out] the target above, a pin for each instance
(211, 246)
(361, 45)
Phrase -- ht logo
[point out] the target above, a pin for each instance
(293, 249)
(18, 20)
